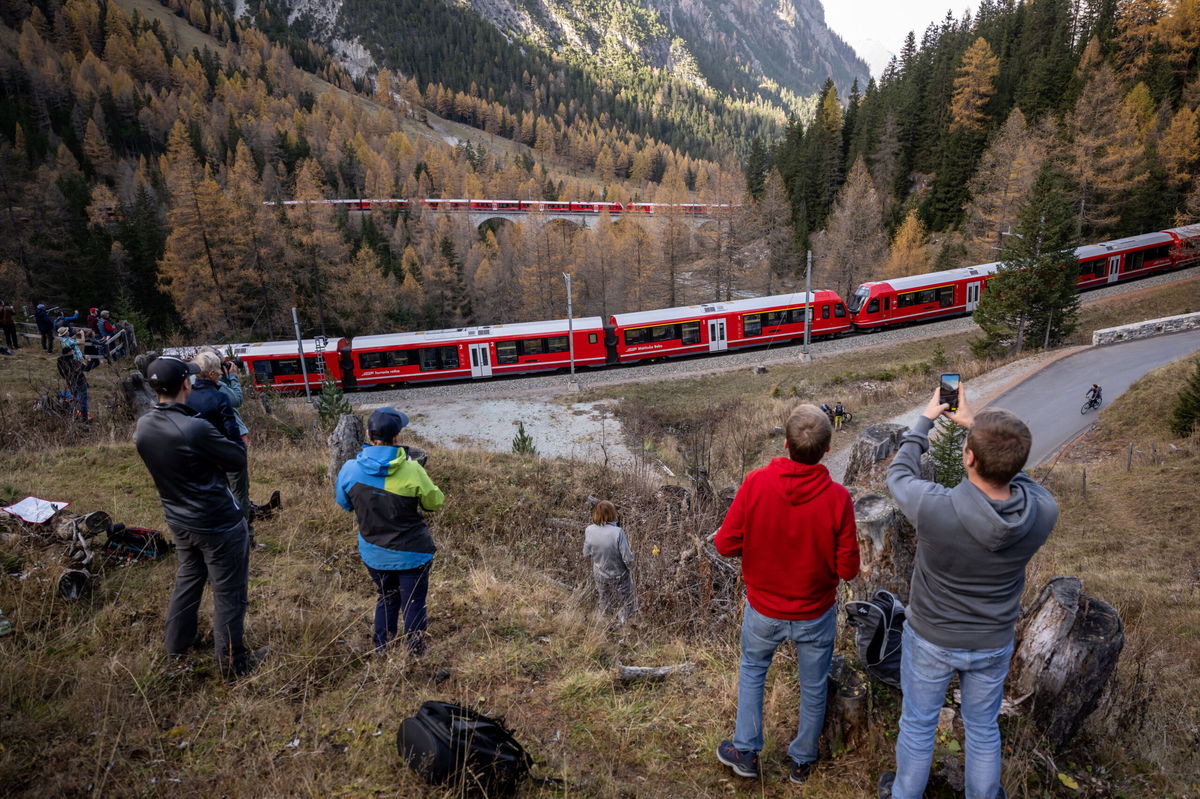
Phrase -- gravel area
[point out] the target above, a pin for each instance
(485, 414)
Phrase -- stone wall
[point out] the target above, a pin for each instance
(1147, 329)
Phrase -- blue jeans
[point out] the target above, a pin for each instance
(925, 672)
(761, 636)
(401, 591)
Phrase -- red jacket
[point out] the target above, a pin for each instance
(794, 530)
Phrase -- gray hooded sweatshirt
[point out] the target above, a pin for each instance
(971, 550)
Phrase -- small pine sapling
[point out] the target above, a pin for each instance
(331, 405)
(522, 443)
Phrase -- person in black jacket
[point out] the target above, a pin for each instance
(41, 316)
(188, 458)
(207, 399)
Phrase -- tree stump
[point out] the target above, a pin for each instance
(846, 707)
(887, 545)
(345, 442)
(875, 444)
(1068, 645)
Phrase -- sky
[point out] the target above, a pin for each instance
(876, 28)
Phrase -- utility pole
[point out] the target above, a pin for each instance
(300, 349)
(572, 384)
(806, 357)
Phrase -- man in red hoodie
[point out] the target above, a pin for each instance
(793, 528)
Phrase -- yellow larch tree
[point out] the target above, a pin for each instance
(974, 87)
(909, 253)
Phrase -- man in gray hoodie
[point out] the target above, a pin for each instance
(973, 542)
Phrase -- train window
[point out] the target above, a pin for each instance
(775, 318)
(375, 360)
(592, 338)
(824, 311)
(752, 324)
(434, 358)
(262, 371)
(636, 335)
(1089, 268)
(291, 366)
(690, 332)
(506, 352)
(839, 311)
(1134, 261)
(533, 346)
(874, 306)
(558, 344)
(1158, 252)
(859, 297)
(946, 296)
(664, 333)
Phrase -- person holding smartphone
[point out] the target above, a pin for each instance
(973, 543)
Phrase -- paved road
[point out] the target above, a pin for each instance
(1049, 401)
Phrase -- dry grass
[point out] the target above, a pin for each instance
(87, 708)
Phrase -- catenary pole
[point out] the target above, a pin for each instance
(808, 310)
(570, 325)
(300, 349)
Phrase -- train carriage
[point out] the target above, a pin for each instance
(714, 327)
(1186, 248)
(276, 364)
(919, 298)
(476, 352)
(1125, 259)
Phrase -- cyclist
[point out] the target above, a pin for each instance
(839, 415)
(1093, 394)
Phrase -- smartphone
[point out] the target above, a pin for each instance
(948, 390)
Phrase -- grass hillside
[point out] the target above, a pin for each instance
(88, 706)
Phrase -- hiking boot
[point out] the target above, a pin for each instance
(253, 661)
(799, 772)
(744, 764)
(885, 784)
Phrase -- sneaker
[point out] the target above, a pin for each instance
(799, 772)
(744, 764)
(885, 784)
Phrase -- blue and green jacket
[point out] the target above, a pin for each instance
(387, 493)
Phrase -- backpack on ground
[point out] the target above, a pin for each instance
(878, 630)
(136, 543)
(451, 744)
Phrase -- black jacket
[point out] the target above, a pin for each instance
(188, 458)
(208, 400)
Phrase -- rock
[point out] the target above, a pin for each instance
(758, 370)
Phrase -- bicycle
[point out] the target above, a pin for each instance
(847, 416)
(1091, 404)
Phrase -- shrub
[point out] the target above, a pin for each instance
(522, 443)
(1185, 416)
(331, 405)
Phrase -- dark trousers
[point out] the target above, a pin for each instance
(401, 591)
(217, 558)
(47, 340)
(10, 336)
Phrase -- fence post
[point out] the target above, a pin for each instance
(1083, 484)
(1129, 458)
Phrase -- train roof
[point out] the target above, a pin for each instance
(937, 278)
(289, 347)
(555, 327)
(1119, 245)
(1185, 232)
(703, 309)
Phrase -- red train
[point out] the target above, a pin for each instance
(524, 206)
(955, 292)
(480, 352)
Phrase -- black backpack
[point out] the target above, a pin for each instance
(878, 630)
(136, 543)
(451, 744)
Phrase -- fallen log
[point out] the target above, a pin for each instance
(651, 673)
(1068, 644)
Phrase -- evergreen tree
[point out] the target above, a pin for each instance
(946, 448)
(757, 166)
(1185, 416)
(331, 404)
(1032, 296)
(522, 443)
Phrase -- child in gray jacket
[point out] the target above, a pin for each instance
(605, 543)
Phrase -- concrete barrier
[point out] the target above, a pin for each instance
(1147, 329)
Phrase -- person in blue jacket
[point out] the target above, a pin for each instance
(41, 316)
(387, 492)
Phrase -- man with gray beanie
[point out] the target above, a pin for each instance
(387, 491)
(188, 459)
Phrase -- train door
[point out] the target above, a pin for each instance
(717, 342)
(1114, 268)
(972, 296)
(481, 362)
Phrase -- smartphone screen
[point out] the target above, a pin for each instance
(948, 390)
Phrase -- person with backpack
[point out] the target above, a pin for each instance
(973, 543)
(794, 529)
(839, 415)
(387, 491)
(612, 559)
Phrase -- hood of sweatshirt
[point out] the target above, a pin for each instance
(381, 460)
(998, 524)
(799, 482)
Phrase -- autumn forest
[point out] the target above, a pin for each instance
(144, 149)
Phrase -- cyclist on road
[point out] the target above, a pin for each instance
(1093, 393)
